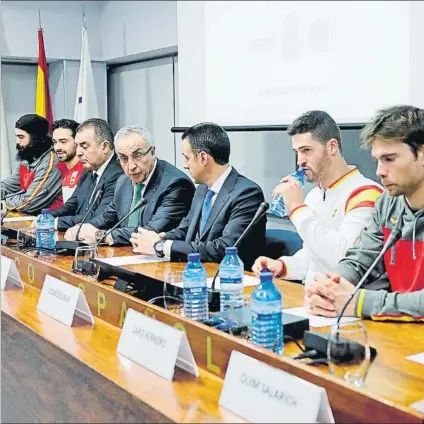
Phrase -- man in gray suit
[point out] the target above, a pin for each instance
(167, 190)
(223, 206)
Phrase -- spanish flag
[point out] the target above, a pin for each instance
(43, 103)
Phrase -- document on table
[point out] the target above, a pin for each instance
(19, 218)
(316, 320)
(419, 357)
(248, 281)
(132, 260)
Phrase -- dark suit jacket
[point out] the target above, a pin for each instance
(232, 211)
(72, 212)
(169, 194)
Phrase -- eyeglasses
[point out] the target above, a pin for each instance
(136, 157)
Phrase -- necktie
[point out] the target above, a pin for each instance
(93, 184)
(134, 218)
(207, 206)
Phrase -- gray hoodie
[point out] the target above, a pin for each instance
(403, 263)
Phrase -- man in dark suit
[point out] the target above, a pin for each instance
(223, 206)
(167, 190)
(95, 150)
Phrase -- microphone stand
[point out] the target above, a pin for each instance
(319, 341)
(214, 295)
(70, 246)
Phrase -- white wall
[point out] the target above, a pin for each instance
(133, 27)
(142, 94)
(61, 21)
(20, 79)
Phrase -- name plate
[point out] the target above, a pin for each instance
(63, 302)
(258, 392)
(155, 345)
(9, 274)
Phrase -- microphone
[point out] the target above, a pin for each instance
(88, 267)
(349, 349)
(97, 197)
(139, 205)
(26, 202)
(213, 295)
(72, 245)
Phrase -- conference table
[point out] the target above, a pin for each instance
(55, 373)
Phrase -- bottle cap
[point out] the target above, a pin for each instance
(45, 210)
(231, 250)
(266, 276)
(193, 257)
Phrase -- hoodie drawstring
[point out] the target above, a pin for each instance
(414, 255)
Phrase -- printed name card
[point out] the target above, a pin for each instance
(258, 392)
(63, 302)
(155, 345)
(9, 274)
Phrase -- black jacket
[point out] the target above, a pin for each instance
(169, 194)
(232, 211)
(72, 212)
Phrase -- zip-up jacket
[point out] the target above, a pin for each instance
(20, 190)
(403, 262)
(329, 223)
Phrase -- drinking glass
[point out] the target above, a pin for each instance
(170, 300)
(348, 352)
(82, 264)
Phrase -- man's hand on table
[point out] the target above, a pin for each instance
(144, 241)
(327, 295)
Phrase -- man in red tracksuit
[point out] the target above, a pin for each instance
(36, 171)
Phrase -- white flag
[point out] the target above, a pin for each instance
(86, 101)
(6, 168)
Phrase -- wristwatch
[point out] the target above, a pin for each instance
(99, 235)
(158, 246)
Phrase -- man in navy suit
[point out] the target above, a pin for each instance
(167, 190)
(223, 206)
(95, 150)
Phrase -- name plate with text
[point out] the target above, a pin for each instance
(155, 345)
(9, 274)
(258, 392)
(63, 302)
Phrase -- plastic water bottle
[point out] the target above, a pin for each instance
(267, 325)
(277, 205)
(44, 231)
(195, 292)
(231, 273)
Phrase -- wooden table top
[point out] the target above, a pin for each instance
(392, 385)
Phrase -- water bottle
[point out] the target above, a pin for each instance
(277, 204)
(44, 231)
(267, 325)
(231, 273)
(195, 292)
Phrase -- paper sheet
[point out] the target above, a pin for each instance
(419, 357)
(132, 260)
(248, 281)
(419, 406)
(19, 218)
(316, 320)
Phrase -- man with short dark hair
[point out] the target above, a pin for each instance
(396, 137)
(36, 184)
(224, 204)
(333, 214)
(95, 150)
(70, 167)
